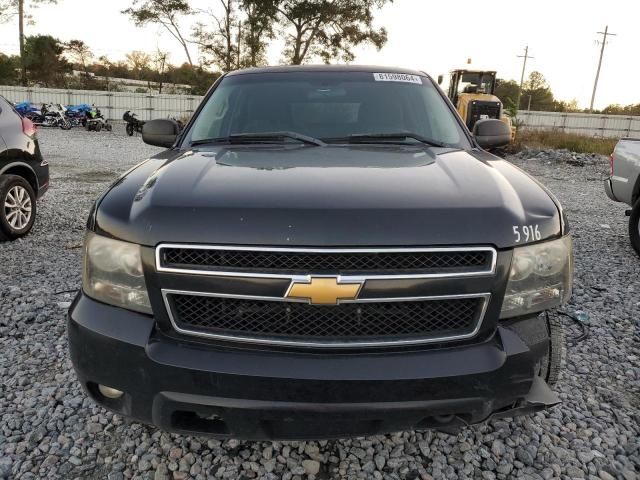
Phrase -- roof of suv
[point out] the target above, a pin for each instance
(326, 68)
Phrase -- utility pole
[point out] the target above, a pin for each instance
(23, 65)
(604, 34)
(526, 56)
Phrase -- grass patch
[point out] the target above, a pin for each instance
(557, 140)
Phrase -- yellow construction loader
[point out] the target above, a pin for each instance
(472, 93)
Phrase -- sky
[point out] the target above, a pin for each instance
(434, 37)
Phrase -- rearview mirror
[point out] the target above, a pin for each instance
(160, 133)
(491, 133)
(440, 79)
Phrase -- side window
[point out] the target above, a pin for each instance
(213, 115)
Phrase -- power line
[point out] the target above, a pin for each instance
(604, 34)
(526, 56)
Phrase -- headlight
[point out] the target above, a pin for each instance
(540, 277)
(112, 273)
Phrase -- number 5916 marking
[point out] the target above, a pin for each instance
(527, 233)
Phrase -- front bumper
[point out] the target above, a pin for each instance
(199, 388)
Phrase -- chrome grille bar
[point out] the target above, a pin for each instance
(161, 266)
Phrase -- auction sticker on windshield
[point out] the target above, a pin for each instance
(397, 77)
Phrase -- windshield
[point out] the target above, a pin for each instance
(476, 82)
(329, 106)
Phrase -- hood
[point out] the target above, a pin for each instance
(326, 196)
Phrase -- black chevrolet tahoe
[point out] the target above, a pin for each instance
(322, 252)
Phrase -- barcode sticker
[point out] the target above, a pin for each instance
(397, 77)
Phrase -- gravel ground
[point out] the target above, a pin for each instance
(49, 429)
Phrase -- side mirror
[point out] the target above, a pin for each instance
(440, 79)
(160, 133)
(491, 133)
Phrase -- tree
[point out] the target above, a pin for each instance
(239, 35)
(159, 62)
(80, 54)
(328, 29)
(220, 45)
(565, 106)
(507, 92)
(104, 68)
(20, 8)
(537, 93)
(616, 109)
(8, 66)
(43, 60)
(162, 12)
(139, 63)
(199, 78)
(258, 29)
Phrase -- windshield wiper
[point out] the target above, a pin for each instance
(261, 137)
(390, 137)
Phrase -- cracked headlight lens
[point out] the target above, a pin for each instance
(540, 277)
(112, 273)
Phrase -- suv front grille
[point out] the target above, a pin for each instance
(241, 293)
(347, 262)
(380, 322)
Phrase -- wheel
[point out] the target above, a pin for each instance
(17, 206)
(108, 127)
(65, 124)
(634, 227)
(130, 129)
(552, 363)
(98, 127)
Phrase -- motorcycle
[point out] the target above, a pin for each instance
(24, 108)
(133, 123)
(96, 122)
(50, 115)
(78, 114)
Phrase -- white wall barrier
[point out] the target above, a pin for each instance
(112, 104)
(591, 124)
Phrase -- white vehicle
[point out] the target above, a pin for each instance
(623, 184)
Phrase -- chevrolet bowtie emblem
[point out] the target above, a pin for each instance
(324, 290)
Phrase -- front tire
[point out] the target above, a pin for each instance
(17, 207)
(130, 129)
(634, 227)
(552, 363)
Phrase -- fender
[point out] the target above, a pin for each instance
(16, 164)
(21, 164)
